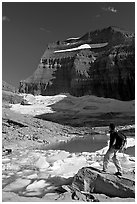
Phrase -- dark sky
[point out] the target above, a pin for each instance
(28, 27)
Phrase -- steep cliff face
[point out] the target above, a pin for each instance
(100, 63)
(116, 71)
(111, 75)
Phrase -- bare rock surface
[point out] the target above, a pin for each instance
(8, 87)
(92, 180)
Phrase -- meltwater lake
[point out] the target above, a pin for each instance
(89, 143)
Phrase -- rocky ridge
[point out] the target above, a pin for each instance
(8, 87)
(99, 63)
(9, 95)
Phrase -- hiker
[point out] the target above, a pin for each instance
(117, 142)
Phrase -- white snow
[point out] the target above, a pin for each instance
(42, 164)
(36, 185)
(62, 166)
(32, 176)
(59, 155)
(73, 38)
(17, 184)
(40, 104)
(5, 160)
(65, 164)
(84, 105)
(69, 166)
(84, 46)
(130, 142)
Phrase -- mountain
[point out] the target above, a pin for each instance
(101, 63)
(7, 87)
(9, 95)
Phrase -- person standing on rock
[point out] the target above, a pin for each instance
(115, 145)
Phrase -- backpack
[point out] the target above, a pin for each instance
(121, 141)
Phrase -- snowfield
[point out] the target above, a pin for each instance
(84, 46)
(73, 38)
(39, 104)
(84, 105)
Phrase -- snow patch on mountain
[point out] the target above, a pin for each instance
(84, 46)
(74, 38)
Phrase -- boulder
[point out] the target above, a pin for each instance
(25, 102)
(90, 181)
(6, 151)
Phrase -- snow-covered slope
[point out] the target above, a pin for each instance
(84, 46)
(85, 104)
(74, 38)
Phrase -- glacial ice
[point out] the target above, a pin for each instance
(19, 183)
(36, 185)
(42, 164)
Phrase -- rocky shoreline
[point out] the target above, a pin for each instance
(31, 173)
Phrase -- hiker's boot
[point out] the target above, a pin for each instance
(104, 171)
(118, 173)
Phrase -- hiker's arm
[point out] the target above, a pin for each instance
(112, 144)
(125, 145)
(112, 141)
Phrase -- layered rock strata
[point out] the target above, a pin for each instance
(100, 63)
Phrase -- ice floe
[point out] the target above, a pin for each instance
(60, 162)
(48, 168)
(42, 164)
(59, 155)
(19, 183)
(32, 176)
(36, 185)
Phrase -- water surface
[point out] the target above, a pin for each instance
(82, 144)
(88, 143)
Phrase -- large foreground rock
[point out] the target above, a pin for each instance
(91, 180)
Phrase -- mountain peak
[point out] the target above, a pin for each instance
(92, 64)
(112, 34)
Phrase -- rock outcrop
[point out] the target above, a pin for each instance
(91, 181)
(9, 94)
(100, 63)
(8, 87)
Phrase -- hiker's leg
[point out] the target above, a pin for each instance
(107, 158)
(116, 162)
